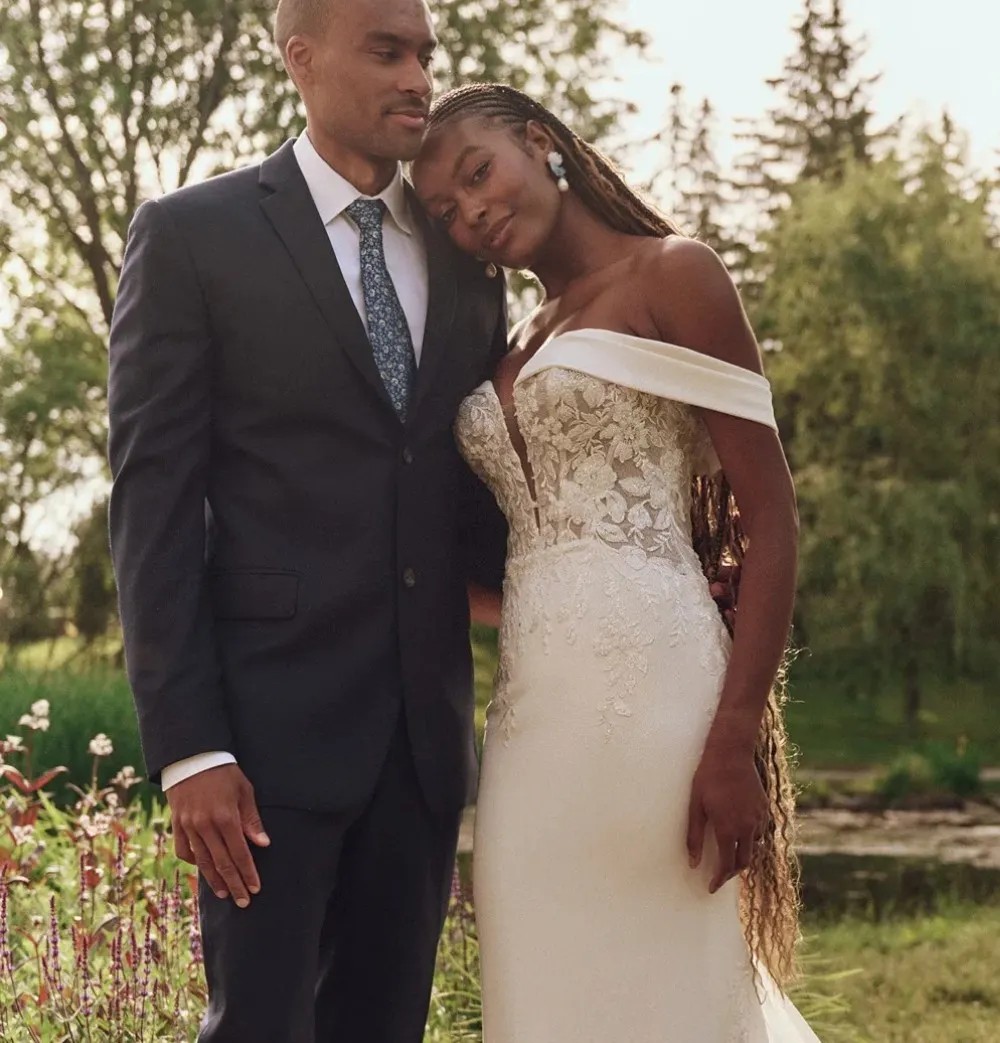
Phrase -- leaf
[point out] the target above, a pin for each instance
(10, 772)
(44, 779)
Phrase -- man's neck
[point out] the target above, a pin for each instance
(368, 174)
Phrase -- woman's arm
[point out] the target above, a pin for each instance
(696, 305)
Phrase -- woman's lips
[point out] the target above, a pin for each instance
(499, 235)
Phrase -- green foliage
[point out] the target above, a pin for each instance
(957, 769)
(882, 304)
(909, 775)
(94, 594)
(556, 50)
(937, 768)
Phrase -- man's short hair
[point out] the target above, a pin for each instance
(292, 17)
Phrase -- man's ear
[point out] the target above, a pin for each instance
(298, 59)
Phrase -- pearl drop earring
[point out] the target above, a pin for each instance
(558, 168)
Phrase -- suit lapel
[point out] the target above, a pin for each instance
(442, 297)
(290, 209)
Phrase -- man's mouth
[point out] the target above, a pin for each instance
(415, 119)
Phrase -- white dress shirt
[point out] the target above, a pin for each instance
(406, 259)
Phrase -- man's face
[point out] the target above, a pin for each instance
(366, 81)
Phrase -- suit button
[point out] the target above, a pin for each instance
(409, 578)
(407, 455)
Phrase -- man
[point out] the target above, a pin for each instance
(289, 348)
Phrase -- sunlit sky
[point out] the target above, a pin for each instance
(933, 55)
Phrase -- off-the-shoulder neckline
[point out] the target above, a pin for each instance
(676, 351)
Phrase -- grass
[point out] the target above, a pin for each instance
(834, 727)
(902, 980)
(84, 704)
(929, 980)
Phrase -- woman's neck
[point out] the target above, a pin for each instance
(580, 244)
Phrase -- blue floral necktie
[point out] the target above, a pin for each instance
(388, 331)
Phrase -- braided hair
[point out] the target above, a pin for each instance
(769, 896)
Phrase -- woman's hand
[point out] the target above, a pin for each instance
(727, 796)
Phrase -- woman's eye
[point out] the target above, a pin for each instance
(480, 172)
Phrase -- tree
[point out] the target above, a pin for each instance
(884, 297)
(105, 103)
(699, 198)
(822, 118)
(93, 587)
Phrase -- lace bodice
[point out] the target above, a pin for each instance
(607, 462)
(612, 442)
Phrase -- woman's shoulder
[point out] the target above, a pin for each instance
(685, 266)
(692, 301)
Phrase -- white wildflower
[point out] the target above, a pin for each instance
(100, 746)
(21, 834)
(40, 708)
(126, 778)
(97, 826)
(36, 723)
(12, 744)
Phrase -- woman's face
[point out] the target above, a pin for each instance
(491, 189)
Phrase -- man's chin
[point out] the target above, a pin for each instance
(404, 144)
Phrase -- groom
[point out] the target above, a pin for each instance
(289, 519)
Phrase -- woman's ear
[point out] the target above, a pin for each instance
(538, 138)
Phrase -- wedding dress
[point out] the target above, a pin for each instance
(592, 926)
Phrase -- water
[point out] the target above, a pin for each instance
(876, 887)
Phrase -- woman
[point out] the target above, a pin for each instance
(634, 804)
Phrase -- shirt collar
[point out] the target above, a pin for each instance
(333, 193)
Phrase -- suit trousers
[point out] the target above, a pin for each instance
(340, 944)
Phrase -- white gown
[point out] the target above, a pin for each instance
(592, 926)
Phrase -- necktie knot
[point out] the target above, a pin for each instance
(367, 214)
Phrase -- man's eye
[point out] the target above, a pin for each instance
(480, 172)
(427, 61)
(447, 217)
(387, 56)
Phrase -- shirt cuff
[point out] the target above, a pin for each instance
(181, 770)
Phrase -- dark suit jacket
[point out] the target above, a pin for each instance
(291, 559)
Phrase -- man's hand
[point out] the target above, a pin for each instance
(213, 813)
(727, 795)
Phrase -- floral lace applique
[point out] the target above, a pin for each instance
(611, 466)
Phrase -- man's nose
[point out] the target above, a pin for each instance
(418, 79)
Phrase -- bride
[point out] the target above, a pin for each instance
(632, 870)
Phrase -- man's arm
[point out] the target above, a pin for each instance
(159, 400)
(158, 446)
(483, 528)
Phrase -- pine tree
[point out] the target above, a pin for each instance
(823, 118)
